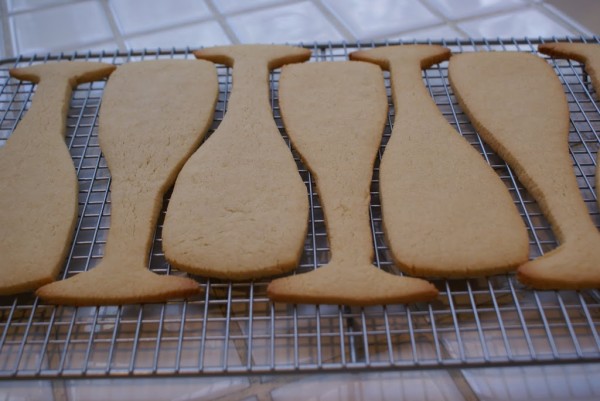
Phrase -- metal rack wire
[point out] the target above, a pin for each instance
(233, 328)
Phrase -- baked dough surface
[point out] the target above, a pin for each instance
(153, 116)
(335, 113)
(517, 104)
(38, 182)
(239, 209)
(445, 212)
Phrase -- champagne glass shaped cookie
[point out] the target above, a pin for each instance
(153, 116)
(38, 183)
(239, 208)
(445, 212)
(588, 54)
(517, 104)
(335, 113)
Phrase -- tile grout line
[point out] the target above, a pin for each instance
(222, 21)
(164, 28)
(59, 390)
(462, 384)
(259, 7)
(114, 25)
(489, 14)
(7, 44)
(453, 23)
(563, 19)
(2, 53)
(460, 33)
(485, 14)
(78, 48)
(262, 390)
(68, 48)
(446, 21)
(337, 23)
(45, 7)
(434, 11)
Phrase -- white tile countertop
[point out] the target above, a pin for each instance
(30, 26)
(54, 26)
(548, 383)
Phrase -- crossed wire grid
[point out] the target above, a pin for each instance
(234, 328)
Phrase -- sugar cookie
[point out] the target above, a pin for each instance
(239, 208)
(445, 212)
(153, 116)
(588, 54)
(38, 199)
(334, 114)
(517, 104)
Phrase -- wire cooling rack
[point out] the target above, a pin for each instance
(233, 328)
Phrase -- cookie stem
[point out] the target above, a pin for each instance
(38, 195)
